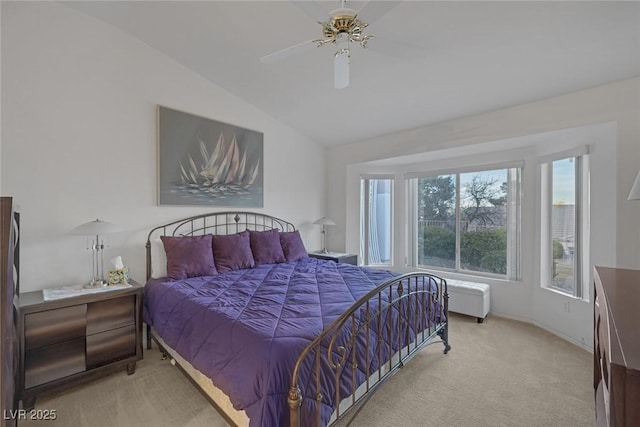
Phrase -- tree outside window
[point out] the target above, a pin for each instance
(463, 221)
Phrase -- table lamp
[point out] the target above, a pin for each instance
(324, 222)
(96, 228)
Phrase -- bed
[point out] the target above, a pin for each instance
(285, 340)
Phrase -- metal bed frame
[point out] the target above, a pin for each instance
(408, 294)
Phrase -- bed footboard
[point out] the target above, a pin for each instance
(366, 345)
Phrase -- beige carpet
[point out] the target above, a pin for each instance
(500, 373)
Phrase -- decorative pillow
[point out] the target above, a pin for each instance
(189, 256)
(158, 259)
(265, 247)
(292, 246)
(232, 252)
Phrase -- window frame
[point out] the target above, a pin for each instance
(365, 180)
(514, 213)
(582, 250)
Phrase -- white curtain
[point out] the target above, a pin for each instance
(379, 221)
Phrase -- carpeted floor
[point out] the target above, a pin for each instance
(500, 373)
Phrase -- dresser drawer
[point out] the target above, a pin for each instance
(54, 326)
(111, 345)
(110, 314)
(53, 362)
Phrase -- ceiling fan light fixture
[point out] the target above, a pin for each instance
(341, 68)
(342, 27)
(343, 22)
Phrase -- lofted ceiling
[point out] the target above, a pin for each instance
(451, 59)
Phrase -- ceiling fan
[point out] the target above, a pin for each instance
(342, 27)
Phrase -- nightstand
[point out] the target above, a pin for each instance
(336, 257)
(65, 341)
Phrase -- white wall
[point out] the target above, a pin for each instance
(607, 115)
(79, 140)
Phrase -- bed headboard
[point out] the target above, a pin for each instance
(215, 223)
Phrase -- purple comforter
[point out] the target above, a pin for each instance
(244, 329)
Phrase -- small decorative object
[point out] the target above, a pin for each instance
(96, 228)
(119, 275)
(324, 222)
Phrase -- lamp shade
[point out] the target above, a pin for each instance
(324, 221)
(95, 228)
(635, 190)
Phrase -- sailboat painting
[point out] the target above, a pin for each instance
(206, 162)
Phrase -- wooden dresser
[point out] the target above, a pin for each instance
(616, 347)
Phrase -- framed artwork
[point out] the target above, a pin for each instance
(206, 162)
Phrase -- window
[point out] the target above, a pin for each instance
(467, 222)
(376, 201)
(565, 225)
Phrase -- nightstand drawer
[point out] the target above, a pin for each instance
(110, 314)
(112, 345)
(52, 362)
(54, 326)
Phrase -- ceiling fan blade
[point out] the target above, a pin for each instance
(288, 51)
(397, 49)
(313, 10)
(374, 10)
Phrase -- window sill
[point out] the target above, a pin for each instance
(564, 294)
(456, 275)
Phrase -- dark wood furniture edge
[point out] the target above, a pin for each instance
(9, 257)
(617, 344)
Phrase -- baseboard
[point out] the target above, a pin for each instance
(564, 336)
(547, 328)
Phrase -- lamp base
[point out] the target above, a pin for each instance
(96, 283)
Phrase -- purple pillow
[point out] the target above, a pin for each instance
(189, 256)
(265, 247)
(292, 246)
(232, 252)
